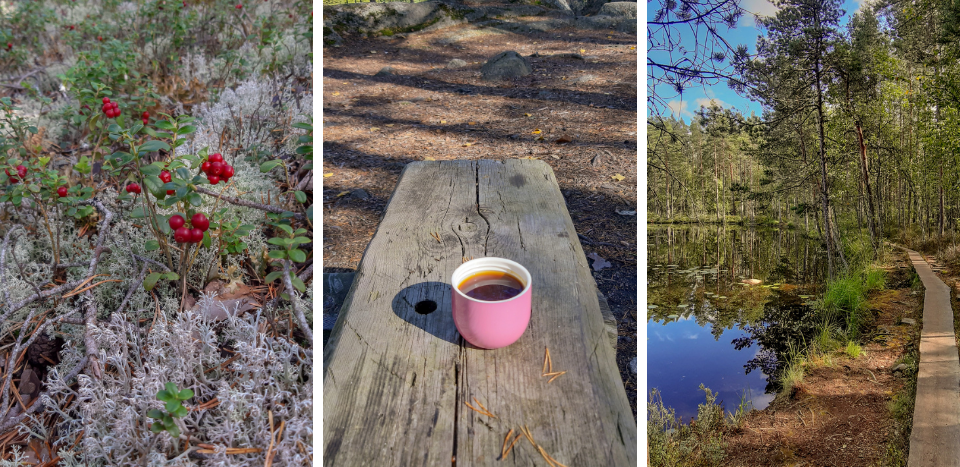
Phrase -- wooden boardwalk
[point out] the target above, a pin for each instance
(935, 439)
(396, 382)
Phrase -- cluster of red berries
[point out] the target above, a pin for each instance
(21, 173)
(216, 169)
(110, 109)
(133, 188)
(182, 234)
(145, 117)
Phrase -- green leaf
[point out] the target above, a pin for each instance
(164, 125)
(301, 240)
(150, 170)
(269, 165)
(180, 412)
(150, 282)
(304, 149)
(297, 283)
(173, 430)
(138, 213)
(206, 239)
(303, 126)
(172, 405)
(286, 228)
(297, 256)
(273, 276)
(156, 427)
(301, 196)
(276, 241)
(186, 130)
(155, 186)
(154, 145)
(151, 245)
(277, 254)
(194, 198)
(185, 394)
(155, 414)
(163, 395)
(171, 276)
(34, 188)
(114, 128)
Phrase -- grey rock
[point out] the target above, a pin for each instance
(331, 38)
(360, 193)
(544, 94)
(456, 63)
(910, 321)
(619, 10)
(505, 65)
(385, 71)
(598, 22)
(628, 26)
(900, 367)
(367, 18)
(584, 79)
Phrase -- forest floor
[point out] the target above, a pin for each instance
(585, 129)
(846, 411)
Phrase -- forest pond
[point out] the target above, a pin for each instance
(705, 325)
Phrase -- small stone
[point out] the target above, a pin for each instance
(385, 71)
(900, 367)
(505, 65)
(360, 193)
(633, 365)
(909, 321)
(456, 63)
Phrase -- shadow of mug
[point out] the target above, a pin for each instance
(428, 306)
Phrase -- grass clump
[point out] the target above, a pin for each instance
(853, 349)
(671, 443)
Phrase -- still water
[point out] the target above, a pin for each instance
(704, 325)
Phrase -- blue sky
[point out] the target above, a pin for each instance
(745, 33)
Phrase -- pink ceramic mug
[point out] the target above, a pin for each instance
(491, 324)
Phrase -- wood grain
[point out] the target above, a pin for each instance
(395, 381)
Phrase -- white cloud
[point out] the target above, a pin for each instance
(708, 101)
(755, 8)
(680, 108)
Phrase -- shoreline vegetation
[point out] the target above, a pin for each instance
(851, 314)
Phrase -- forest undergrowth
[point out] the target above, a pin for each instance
(155, 233)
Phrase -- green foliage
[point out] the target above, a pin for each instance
(173, 399)
(671, 443)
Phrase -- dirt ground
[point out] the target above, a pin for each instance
(585, 130)
(840, 415)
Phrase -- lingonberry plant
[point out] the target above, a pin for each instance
(135, 224)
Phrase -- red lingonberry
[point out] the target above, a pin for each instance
(176, 221)
(145, 122)
(114, 105)
(106, 100)
(62, 192)
(145, 115)
(213, 179)
(215, 157)
(171, 192)
(196, 235)
(227, 172)
(165, 176)
(13, 180)
(133, 188)
(200, 221)
(182, 235)
(205, 167)
(9, 45)
(216, 168)
(239, 6)
(21, 171)
(100, 38)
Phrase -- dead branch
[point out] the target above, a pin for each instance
(249, 204)
(300, 317)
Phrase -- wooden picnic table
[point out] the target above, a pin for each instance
(396, 382)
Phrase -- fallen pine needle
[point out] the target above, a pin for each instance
(526, 432)
(546, 356)
(555, 377)
(479, 411)
(545, 456)
(503, 448)
(481, 405)
(232, 451)
(90, 287)
(555, 461)
(554, 373)
(517, 438)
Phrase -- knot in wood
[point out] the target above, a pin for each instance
(467, 227)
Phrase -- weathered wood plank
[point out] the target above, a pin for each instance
(395, 381)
